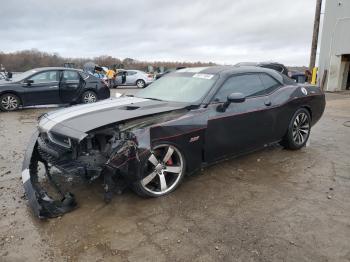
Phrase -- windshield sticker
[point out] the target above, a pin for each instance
(203, 76)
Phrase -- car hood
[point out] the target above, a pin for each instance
(4, 82)
(76, 121)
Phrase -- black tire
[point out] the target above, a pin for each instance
(9, 102)
(173, 179)
(140, 83)
(298, 130)
(89, 97)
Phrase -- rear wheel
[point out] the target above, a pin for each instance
(162, 173)
(140, 83)
(89, 97)
(298, 130)
(9, 102)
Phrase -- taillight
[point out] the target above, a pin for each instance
(150, 76)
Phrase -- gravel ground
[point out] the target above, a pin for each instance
(273, 205)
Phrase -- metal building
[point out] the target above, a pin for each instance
(334, 57)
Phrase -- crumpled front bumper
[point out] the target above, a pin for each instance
(41, 203)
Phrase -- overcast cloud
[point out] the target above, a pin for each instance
(221, 31)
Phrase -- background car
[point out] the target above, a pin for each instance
(299, 77)
(133, 77)
(181, 123)
(159, 75)
(271, 65)
(51, 85)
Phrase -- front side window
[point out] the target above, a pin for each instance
(70, 76)
(45, 77)
(249, 85)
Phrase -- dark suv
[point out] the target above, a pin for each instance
(271, 65)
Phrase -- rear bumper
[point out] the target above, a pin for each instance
(149, 81)
(104, 93)
(41, 203)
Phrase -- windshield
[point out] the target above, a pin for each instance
(21, 76)
(180, 87)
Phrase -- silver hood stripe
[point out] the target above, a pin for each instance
(65, 114)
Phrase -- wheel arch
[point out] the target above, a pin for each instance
(87, 90)
(13, 93)
(172, 143)
(308, 108)
(192, 155)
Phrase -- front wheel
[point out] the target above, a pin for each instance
(140, 83)
(163, 172)
(88, 97)
(9, 102)
(298, 130)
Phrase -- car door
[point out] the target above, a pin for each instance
(131, 77)
(242, 127)
(119, 78)
(42, 88)
(71, 85)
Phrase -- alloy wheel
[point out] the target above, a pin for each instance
(9, 102)
(89, 97)
(301, 128)
(140, 83)
(164, 170)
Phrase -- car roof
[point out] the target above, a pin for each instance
(136, 70)
(54, 68)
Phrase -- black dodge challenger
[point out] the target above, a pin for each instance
(50, 85)
(182, 122)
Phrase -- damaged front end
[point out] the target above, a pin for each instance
(41, 203)
(113, 153)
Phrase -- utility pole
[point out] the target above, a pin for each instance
(315, 35)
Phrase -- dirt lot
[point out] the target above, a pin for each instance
(274, 205)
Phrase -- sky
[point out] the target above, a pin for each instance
(220, 31)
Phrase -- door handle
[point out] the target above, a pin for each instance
(267, 103)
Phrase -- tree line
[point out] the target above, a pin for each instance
(27, 59)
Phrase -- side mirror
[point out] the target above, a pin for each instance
(231, 98)
(29, 82)
(236, 98)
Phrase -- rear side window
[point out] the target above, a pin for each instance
(130, 73)
(269, 83)
(249, 85)
(71, 75)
